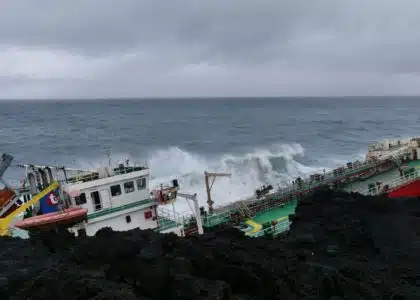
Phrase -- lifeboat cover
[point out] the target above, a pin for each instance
(68, 216)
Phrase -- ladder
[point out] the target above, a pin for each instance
(244, 210)
(397, 160)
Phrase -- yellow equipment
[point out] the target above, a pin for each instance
(5, 222)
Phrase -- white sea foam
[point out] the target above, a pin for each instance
(274, 165)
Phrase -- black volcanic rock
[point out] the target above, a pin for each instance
(340, 246)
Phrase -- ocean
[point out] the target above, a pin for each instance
(259, 141)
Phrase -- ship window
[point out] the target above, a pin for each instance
(141, 183)
(128, 219)
(96, 199)
(129, 187)
(81, 199)
(116, 190)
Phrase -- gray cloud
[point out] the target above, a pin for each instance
(139, 48)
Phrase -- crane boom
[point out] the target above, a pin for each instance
(196, 210)
(208, 175)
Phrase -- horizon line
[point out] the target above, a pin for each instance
(205, 98)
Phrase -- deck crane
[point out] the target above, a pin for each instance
(213, 176)
(196, 210)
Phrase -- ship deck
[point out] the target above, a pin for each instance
(166, 223)
(388, 176)
(278, 214)
(254, 226)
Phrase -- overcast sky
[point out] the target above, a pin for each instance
(136, 48)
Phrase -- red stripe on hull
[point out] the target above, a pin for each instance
(411, 189)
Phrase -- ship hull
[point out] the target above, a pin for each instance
(411, 189)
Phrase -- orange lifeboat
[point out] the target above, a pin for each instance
(68, 217)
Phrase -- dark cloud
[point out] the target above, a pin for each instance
(142, 48)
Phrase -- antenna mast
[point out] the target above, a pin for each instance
(108, 154)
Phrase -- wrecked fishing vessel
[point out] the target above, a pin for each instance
(120, 197)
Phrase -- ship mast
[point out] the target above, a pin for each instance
(212, 176)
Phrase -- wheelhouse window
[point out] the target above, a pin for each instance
(96, 200)
(81, 199)
(116, 190)
(129, 187)
(141, 183)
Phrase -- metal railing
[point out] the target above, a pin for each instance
(223, 213)
(91, 175)
(306, 184)
(220, 217)
(273, 230)
(15, 183)
(169, 219)
(392, 184)
(399, 152)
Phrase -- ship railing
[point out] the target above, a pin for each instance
(91, 175)
(329, 177)
(273, 230)
(263, 206)
(170, 219)
(219, 217)
(192, 229)
(392, 184)
(306, 184)
(397, 153)
(128, 169)
(83, 177)
(232, 205)
(15, 184)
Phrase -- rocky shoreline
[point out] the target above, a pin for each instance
(340, 246)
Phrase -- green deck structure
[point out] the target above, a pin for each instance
(257, 225)
(261, 223)
(166, 223)
(388, 176)
(276, 213)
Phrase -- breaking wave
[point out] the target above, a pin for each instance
(276, 165)
(248, 171)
